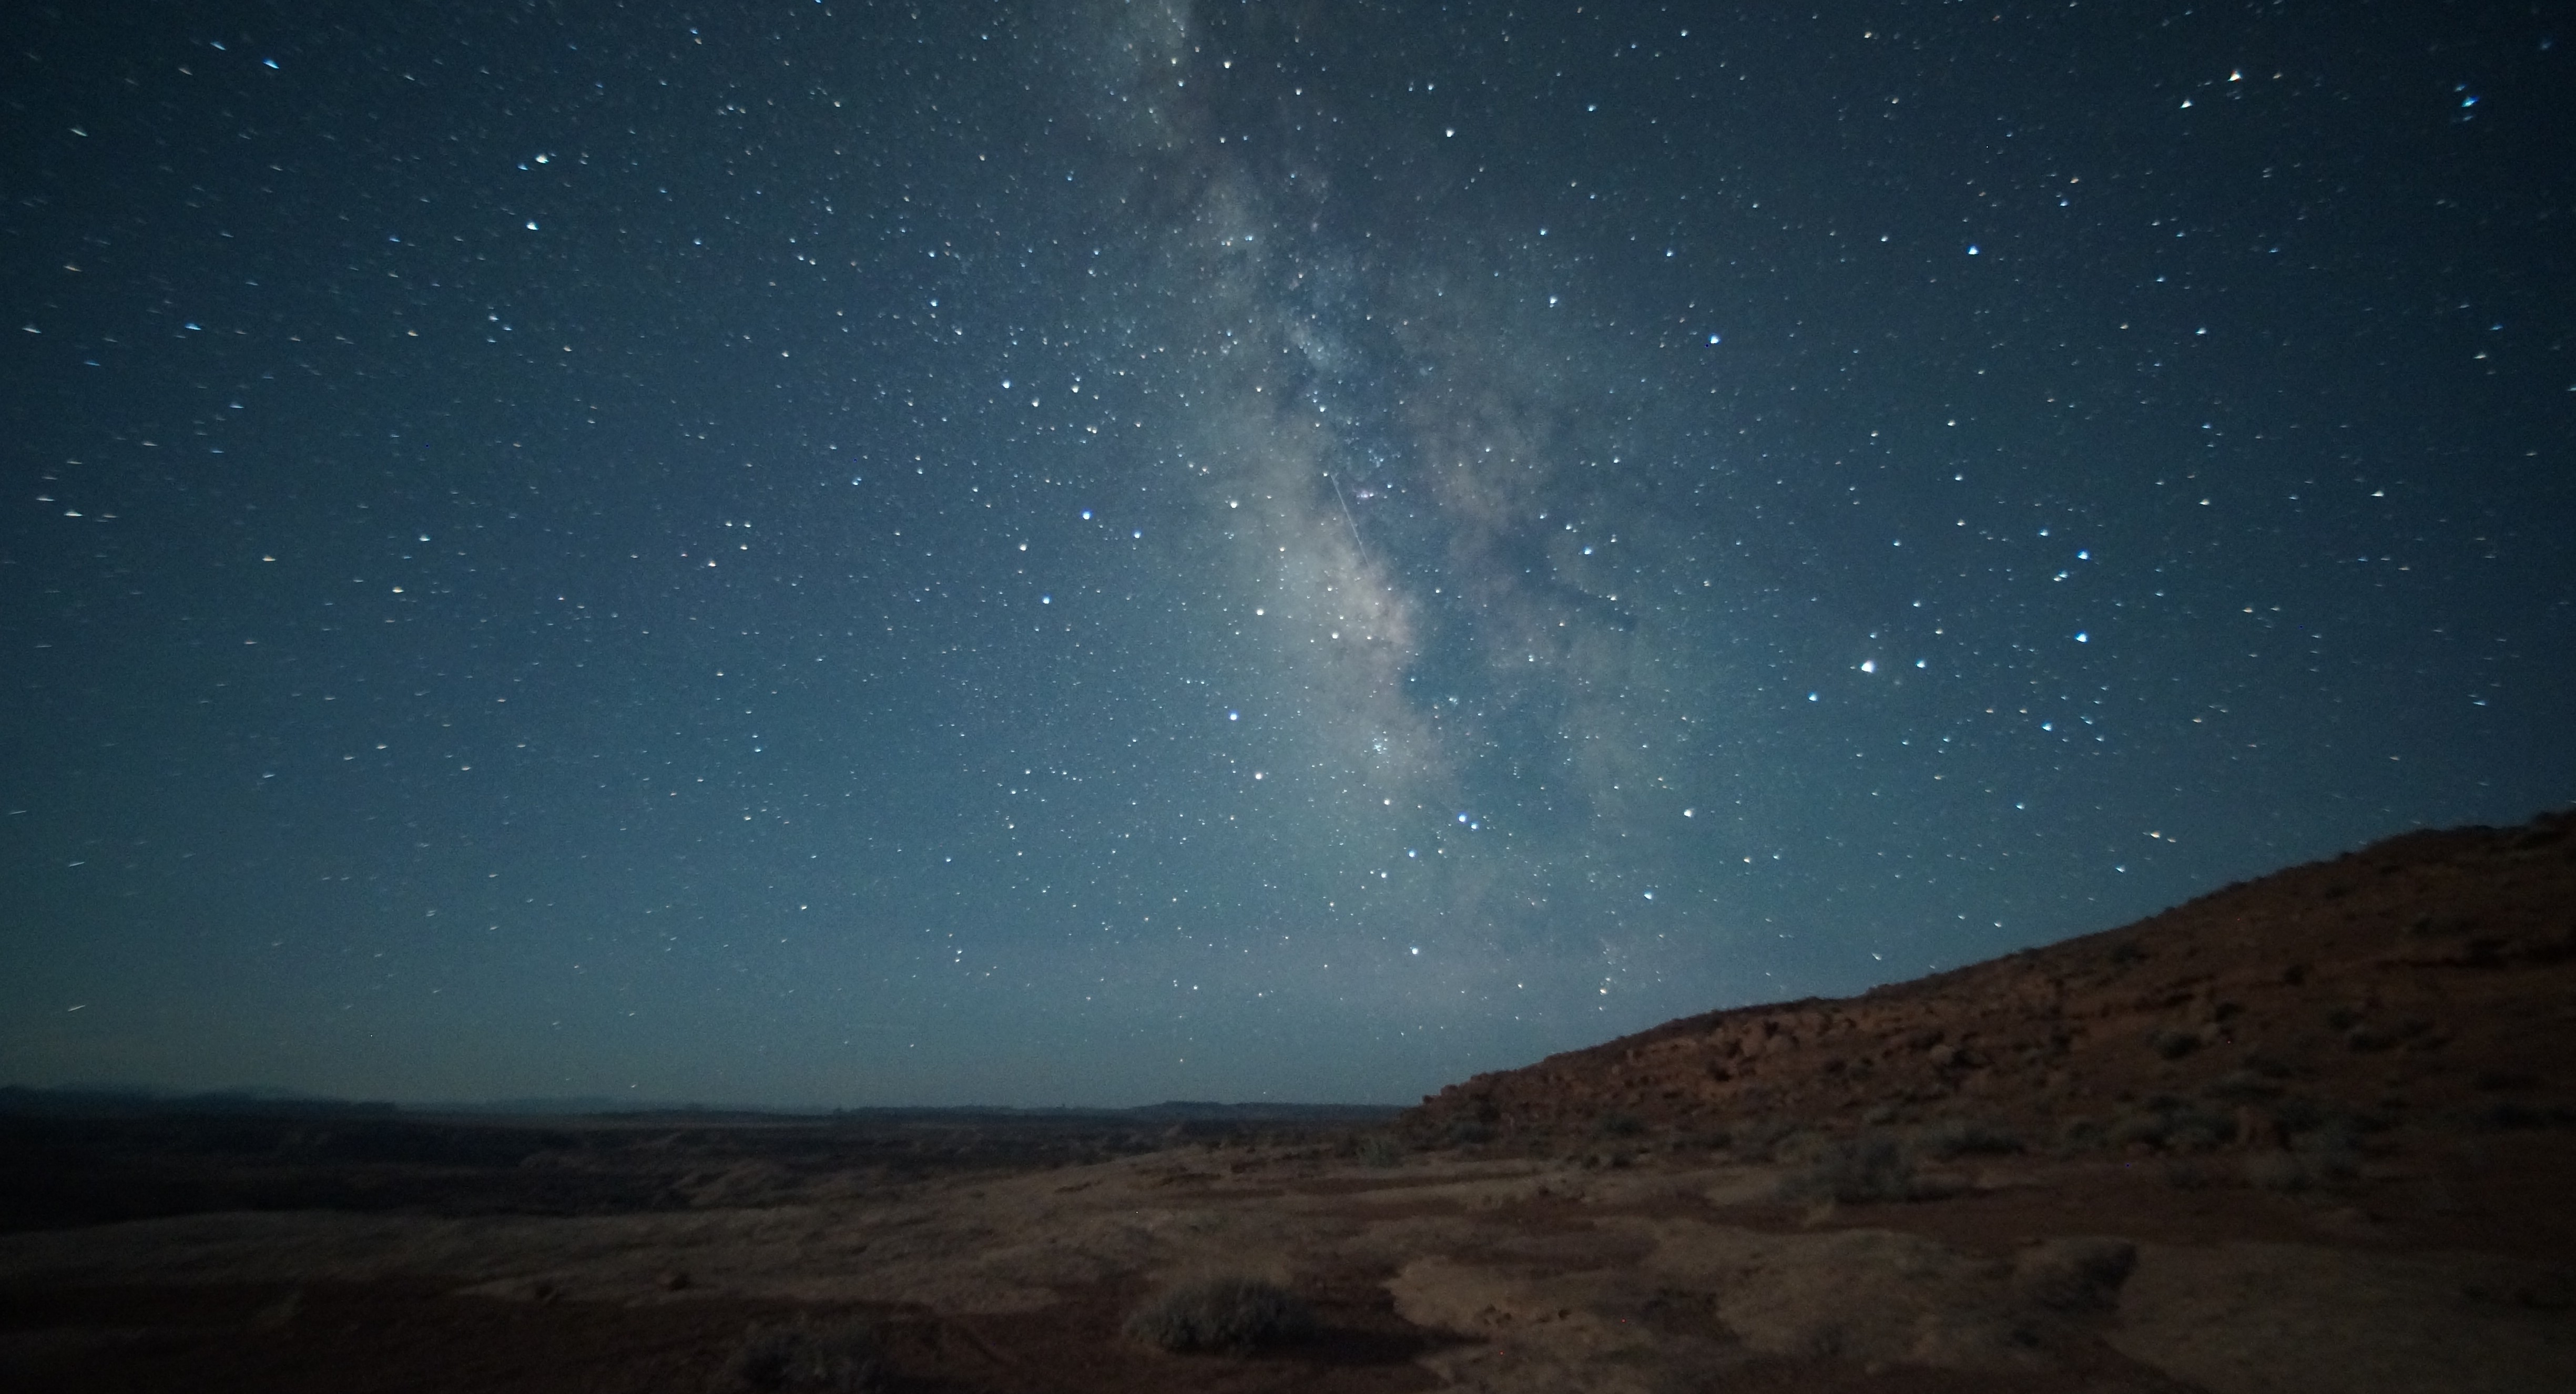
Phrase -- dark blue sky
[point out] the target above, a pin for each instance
(827, 553)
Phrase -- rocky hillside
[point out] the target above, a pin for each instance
(2428, 981)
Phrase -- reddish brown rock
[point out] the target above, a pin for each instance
(2429, 980)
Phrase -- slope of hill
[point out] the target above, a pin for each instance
(2424, 984)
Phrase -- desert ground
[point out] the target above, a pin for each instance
(2314, 1132)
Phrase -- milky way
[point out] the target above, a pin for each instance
(1092, 553)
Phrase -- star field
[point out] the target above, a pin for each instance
(842, 554)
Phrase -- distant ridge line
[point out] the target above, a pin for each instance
(23, 1099)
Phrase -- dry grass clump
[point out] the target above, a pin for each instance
(1954, 1137)
(802, 1358)
(2324, 1158)
(1865, 1169)
(2276, 1171)
(1468, 1132)
(2170, 1125)
(1221, 1314)
(2079, 1273)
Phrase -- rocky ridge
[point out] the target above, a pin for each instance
(2427, 982)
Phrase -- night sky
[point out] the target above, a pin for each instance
(1043, 553)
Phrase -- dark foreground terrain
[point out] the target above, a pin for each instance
(92, 1158)
(2316, 1132)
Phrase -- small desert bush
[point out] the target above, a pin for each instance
(2241, 1087)
(2299, 1114)
(1220, 1314)
(2329, 1154)
(2172, 1045)
(1952, 1137)
(1619, 1125)
(1864, 1169)
(2078, 1134)
(1802, 1147)
(1379, 1150)
(2172, 1126)
(2074, 1273)
(2137, 1126)
(1759, 1138)
(2198, 1130)
(2507, 1114)
(802, 1358)
(2276, 1171)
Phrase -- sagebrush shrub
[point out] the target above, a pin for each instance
(2074, 1273)
(805, 1359)
(1952, 1137)
(1220, 1314)
(2276, 1171)
(1867, 1168)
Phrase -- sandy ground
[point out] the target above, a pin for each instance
(1438, 1271)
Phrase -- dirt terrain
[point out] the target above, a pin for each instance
(2315, 1132)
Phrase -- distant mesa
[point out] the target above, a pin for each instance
(96, 1100)
(1189, 1116)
